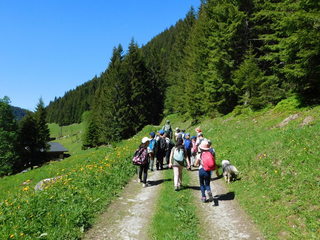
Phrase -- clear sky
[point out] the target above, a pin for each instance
(48, 47)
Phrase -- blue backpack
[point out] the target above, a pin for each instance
(152, 144)
(187, 144)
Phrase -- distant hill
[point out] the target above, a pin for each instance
(19, 113)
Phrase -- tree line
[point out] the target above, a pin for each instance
(229, 54)
(23, 143)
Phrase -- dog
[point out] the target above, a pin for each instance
(230, 172)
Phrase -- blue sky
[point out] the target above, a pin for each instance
(49, 47)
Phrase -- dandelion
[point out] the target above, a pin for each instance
(275, 171)
(11, 236)
(21, 234)
(26, 189)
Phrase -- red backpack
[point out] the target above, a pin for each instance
(208, 161)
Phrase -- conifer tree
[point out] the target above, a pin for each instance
(43, 133)
(248, 79)
(136, 73)
(176, 76)
(8, 138)
(28, 141)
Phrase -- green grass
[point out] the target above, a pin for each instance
(69, 136)
(175, 216)
(66, 208)
(279, 184)
(279, 167)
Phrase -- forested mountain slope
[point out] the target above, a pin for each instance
(228, 54)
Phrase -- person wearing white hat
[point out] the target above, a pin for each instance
(143, 168)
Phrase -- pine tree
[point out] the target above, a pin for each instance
(136, 73)
(176, 77)
(28, 133)
(43, 133)
(8, 138)
(248, 79)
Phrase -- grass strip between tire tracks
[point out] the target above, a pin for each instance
(175, 214)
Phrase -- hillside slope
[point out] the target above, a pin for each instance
(279, 165)
(279, 183)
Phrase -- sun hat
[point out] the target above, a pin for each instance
(204, 145)
(187, 134)
(145, 139)
(168, 121)
(198, 130)
(200, 134)
(161, 132)
(193, 137)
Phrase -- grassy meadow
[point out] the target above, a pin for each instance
(279, 185)
(279, 167)
(66, 208)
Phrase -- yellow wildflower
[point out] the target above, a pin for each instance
(25, 188)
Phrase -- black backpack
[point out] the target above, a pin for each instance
(162, 144)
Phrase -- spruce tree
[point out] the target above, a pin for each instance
(8, 138)
(248, 79)
(136, 73)
(43, 133)
(29, 149)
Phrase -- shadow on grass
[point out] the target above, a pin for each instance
(197, 188)
(157, 182)
(216, 178)
(223, 197)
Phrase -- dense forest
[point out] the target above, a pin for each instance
(228, 54)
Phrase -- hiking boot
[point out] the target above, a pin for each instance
(176, 188)
(203, 199)
(210, 196)
(145, 185)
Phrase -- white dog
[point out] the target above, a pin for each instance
(230, 172)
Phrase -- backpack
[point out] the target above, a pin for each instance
(140, 157)
(178, 155)
(167, 128)
(208, 161)
(152, 144)
(194, 147)
(187, 144)
(162, 144)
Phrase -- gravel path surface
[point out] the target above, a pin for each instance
(223, 218)
(129, 216)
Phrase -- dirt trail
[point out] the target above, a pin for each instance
(129, 216)
(224, 218)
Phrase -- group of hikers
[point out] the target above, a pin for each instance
(178, 150)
